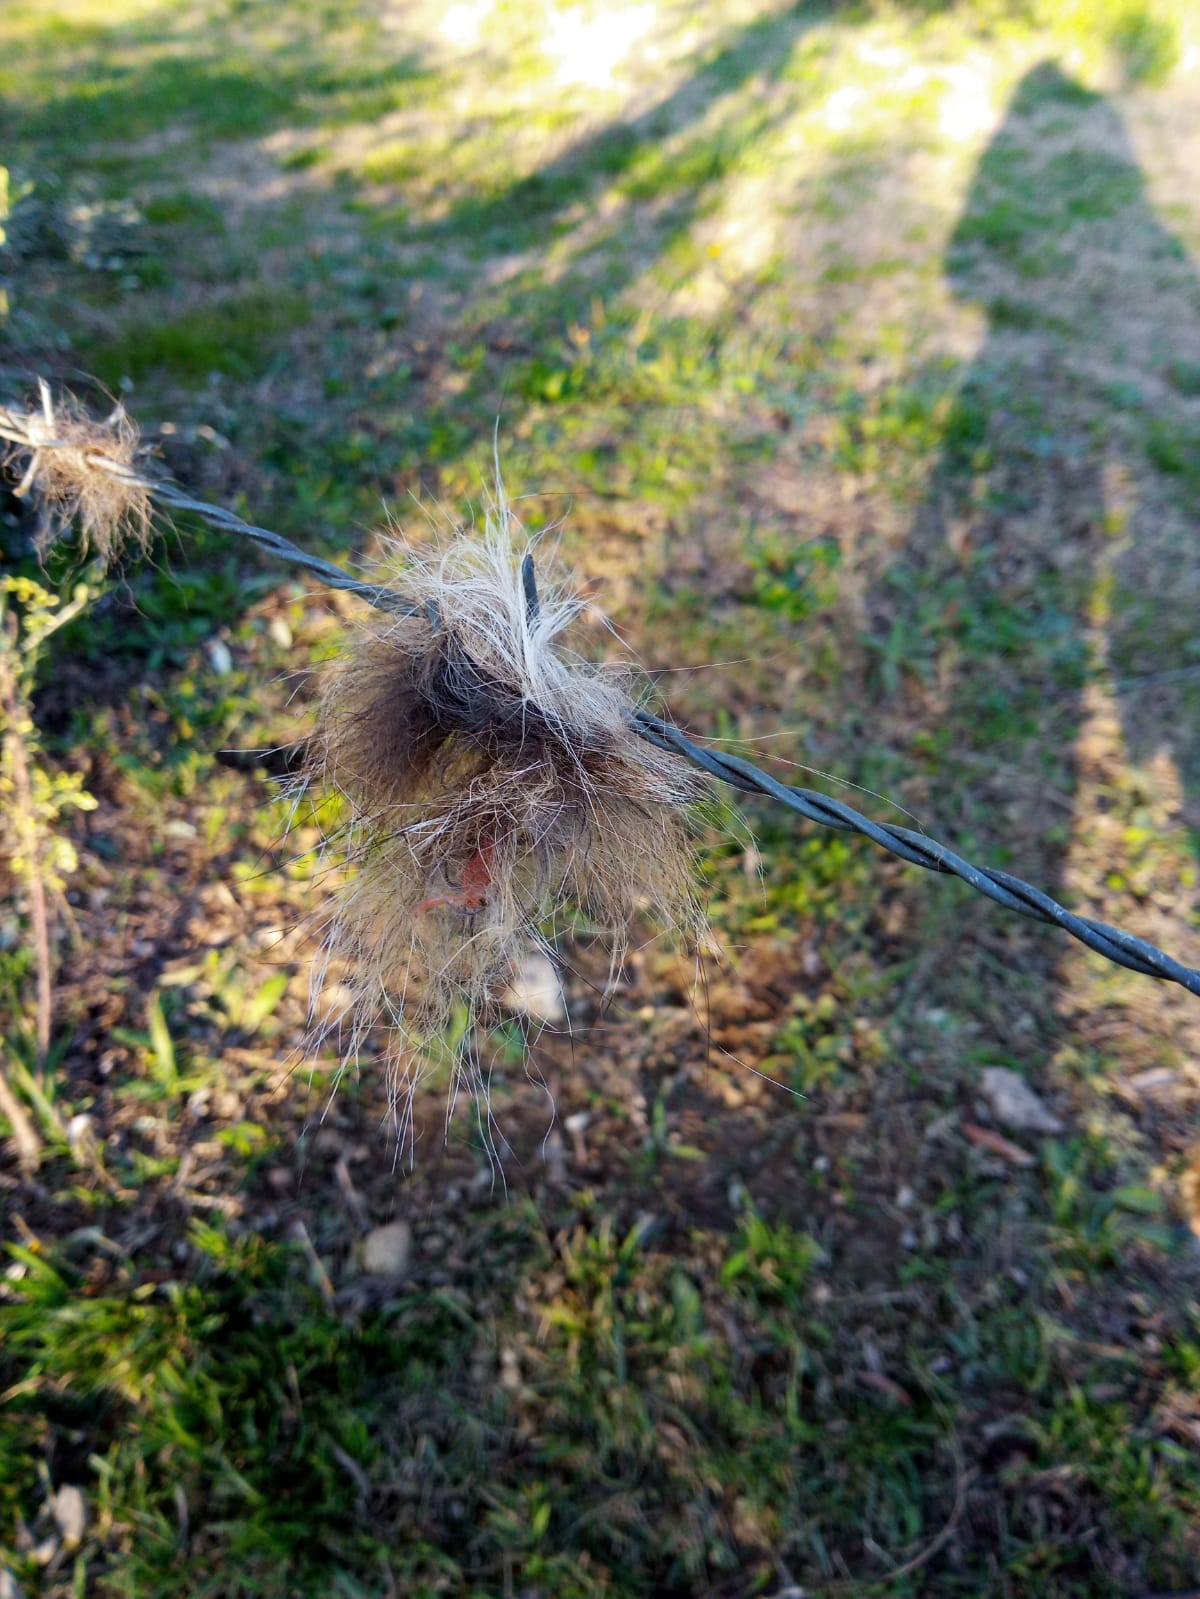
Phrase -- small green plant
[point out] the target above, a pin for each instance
(771, 1263)
(792, 581)
(1147, 46)
(33, 798)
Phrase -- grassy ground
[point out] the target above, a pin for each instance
(860, 351)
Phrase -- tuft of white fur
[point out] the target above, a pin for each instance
(78, 470)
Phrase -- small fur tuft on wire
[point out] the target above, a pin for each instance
(491, 782)
(80, 471)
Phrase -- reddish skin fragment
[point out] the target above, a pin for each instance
(472, 893)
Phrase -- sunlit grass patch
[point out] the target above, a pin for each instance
(1143, 39)
(88, 79)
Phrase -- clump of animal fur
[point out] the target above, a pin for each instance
(81, 471)
(490, 782)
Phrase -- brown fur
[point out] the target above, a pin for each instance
(489, 783)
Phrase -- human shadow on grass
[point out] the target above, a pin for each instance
(615, 203)
(630, 152)
(1056, 550)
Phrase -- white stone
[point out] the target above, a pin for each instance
(70, 1513)
(220, 657)
(536, 989)
(386, 1250)
(1014, 1104)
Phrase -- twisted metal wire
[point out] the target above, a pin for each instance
(1011, 892)
(18, 428)
(376, 594)
(1122, 948)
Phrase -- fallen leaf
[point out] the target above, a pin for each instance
(997, 1144)
(1153, 1081)
(1189, 1188)
(885, 1385)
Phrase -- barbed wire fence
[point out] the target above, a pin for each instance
(32, 437)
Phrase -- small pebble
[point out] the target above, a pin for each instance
(386, 1250)
(1014, 1104)
(219, 658)
(70, 1514)
(535, 989)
